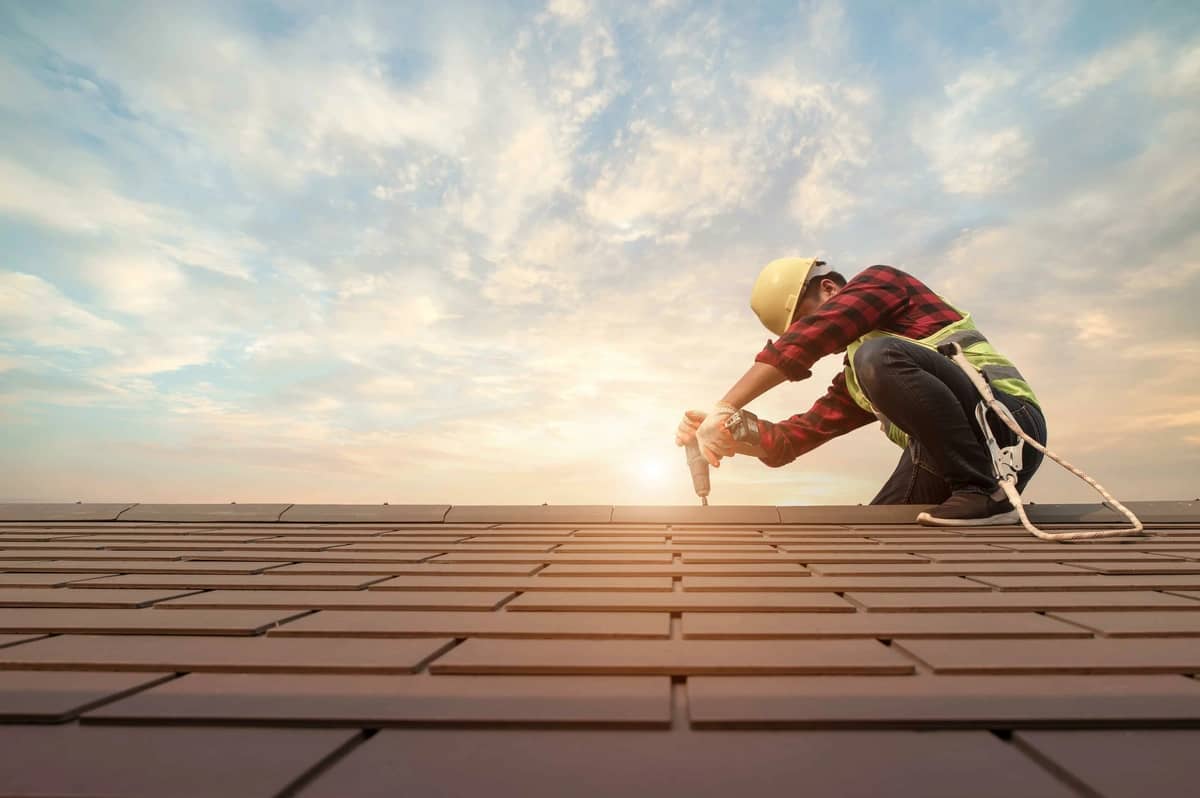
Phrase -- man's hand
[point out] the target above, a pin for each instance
(688, 426)
(690, 430)
(692, 419)
(714, 440)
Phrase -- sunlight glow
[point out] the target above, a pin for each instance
(651, 471)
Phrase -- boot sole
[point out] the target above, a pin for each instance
(1010, 517)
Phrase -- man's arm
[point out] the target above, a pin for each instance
(745, 447)
(832, 415)
(777, 444)
(759, 379)
(715, 441)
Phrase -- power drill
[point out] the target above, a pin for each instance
(744, 427)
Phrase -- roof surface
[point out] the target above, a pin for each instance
(323, 650)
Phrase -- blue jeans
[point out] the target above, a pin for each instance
(927, 395)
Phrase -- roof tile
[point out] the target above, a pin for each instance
(411, 623)
(1156, 566)
(1095, 582)
(948, 569)
(713, 514)
(43, 579)
(773, 764)
(930, 702)
(806, 558)
(529, 514)
(34, 512)
(1136, 624)
(679, 602)
(675, 569)
(910, 625)
(673, 657)
(375, 701)
(156, 762)
(64, 597)
(237, 655)
(1017, 601)
(204, 512)
(1103, 655)
(524, 583)
(145, 621)
(231, 581)
(833, 584)
(100, 566)
(54, 697)
(337, 599)
(365, 513)
(1128, 762)
(415, 569)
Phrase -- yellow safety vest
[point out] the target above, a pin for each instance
(999, 370)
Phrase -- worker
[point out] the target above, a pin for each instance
(889, 324)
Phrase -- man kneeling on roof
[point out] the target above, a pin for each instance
(889, 324)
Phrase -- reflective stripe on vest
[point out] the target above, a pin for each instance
(1001, 374)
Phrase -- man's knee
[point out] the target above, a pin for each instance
(872, 359)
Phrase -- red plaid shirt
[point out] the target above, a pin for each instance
(878, 298)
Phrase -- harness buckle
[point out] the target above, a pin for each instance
(1006, 462)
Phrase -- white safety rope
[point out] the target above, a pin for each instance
(1007, 462)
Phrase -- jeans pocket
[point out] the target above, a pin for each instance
(1022, 412)
(919, 458)
(1024, 418)
(1030, 420)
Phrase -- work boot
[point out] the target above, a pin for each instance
(966, 508)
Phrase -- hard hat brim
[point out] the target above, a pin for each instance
(819, 269)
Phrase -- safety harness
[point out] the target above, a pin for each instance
(1006, 462)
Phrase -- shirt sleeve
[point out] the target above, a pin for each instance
(865, 303)
(832, 415)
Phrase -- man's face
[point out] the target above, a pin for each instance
(825, 290)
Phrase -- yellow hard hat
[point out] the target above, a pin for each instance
(779, 287)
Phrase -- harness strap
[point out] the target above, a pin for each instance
(1007, 462)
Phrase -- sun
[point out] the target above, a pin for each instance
(651, 470)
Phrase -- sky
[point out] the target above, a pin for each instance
(489, 252)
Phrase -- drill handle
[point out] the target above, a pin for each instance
(699, 468)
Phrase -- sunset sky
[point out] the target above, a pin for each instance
(489, 252)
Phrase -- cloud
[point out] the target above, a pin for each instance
(573, 11)
(970, 145)
(34, 311)
(367, 316)
(839, 142)
(528, 168)
(34, 381)
(1095, 328)
(279, 107)
(135, 283)
(73, 208)
(670, 181)
(1183, 76)
(86, 206)
(672, 178)
(1103, 69)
